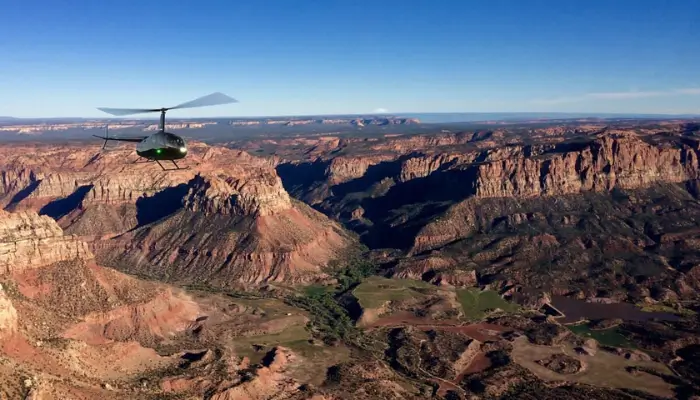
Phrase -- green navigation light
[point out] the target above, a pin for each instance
(157, 151)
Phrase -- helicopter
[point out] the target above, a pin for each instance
(162, 145)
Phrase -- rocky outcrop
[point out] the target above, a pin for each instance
(127, 188)
(437, 269)
(422, 166)
(235, 230)
(410, 143)
(343, 169)
(292, 245)
(28, 240)
(623, 161)
(8, 315)
(146, 323)
(606, 164)
(228, 213)
(527, 171)
(561, 364)
(228, 195)
(13, 180)
(57, 185)
(269, 381)
(609, 162)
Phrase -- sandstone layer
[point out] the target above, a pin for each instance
(28, 240)
(156, 217)
(476, 208)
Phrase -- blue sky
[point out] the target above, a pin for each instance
(66, 57)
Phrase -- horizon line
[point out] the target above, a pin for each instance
(387, 114)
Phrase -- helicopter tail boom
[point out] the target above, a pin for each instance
(106, 138)
(135, 140)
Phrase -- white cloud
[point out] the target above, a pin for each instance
(380, 110)
(689, 91)
(620, 95)
(626, 95)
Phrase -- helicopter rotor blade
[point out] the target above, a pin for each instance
(213, 99)
(127, 111)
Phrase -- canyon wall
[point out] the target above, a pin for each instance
(28, 240)
(607, 163)
(535, 170)
(225, 219)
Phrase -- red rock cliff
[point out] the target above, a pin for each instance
(28, 240)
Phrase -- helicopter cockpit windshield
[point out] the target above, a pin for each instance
(174, 141)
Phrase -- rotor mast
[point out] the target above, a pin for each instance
(161, 125)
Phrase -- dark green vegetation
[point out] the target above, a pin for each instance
(317, 290)
(330, 321)
(357, 269)
(477, 303)
(606, 337)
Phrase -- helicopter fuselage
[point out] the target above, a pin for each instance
(162, 146)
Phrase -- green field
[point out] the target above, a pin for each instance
(475, 302)
(375, 291)
(317, 290)
(296, 338)
(606, 337)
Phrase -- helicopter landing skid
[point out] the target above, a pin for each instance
(177, 167)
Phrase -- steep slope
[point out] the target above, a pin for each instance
(230, 231)
(72, 329)
(50, 282)
(422, 184)
(616, 207)
(28, 241)
(157, 218)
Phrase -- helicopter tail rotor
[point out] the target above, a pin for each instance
(105, 137)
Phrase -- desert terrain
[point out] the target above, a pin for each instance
(526, 260)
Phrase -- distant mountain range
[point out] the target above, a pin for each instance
(520, 116)
(435, 117)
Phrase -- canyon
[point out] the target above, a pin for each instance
(133, 215)
(251, 261)
(70, 328)
(450, 201)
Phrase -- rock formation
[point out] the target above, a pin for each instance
(28, 240)
(605, 214)
(234, 233)
(261, 233)
(468, 207)
(8, 316)
(228, 195)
